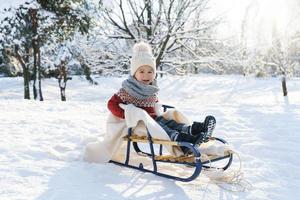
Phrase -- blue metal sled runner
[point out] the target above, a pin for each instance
(193, 160)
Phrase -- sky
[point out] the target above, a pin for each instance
(262, 16)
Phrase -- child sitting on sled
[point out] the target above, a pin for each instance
(141, 89)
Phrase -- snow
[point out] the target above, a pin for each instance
(4, 4)
(42, 143)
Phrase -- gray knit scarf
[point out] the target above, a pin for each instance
(138, 89)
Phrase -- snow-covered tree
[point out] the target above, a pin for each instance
(172, 27)
(101, 55)
(17, 38)
(276, 61)
(293, 51)
(37, 24)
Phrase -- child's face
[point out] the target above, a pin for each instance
(144, 74)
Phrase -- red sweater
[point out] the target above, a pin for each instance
(115, 109)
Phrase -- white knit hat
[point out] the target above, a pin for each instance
(142, 55)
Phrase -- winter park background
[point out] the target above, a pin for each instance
(232, 70)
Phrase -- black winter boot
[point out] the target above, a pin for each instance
(209, 126)
(197, 128)
(186, 137)
(203, 131)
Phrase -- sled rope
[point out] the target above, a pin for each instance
(225, 179)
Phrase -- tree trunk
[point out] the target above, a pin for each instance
(195, 70)
(34, 81)
(39, 70)
(26, 74)
(149, 20)
(283, 83)
(33, 13)
(26, 77)
(62, 80)
(36, 56)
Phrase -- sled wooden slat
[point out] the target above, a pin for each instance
(164, 158)
(144, 139)
(189, 158)
(172, 158)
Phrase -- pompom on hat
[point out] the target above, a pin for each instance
(142, 55)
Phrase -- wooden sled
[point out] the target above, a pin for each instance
(194, 160)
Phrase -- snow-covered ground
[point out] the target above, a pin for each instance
(41, 143)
